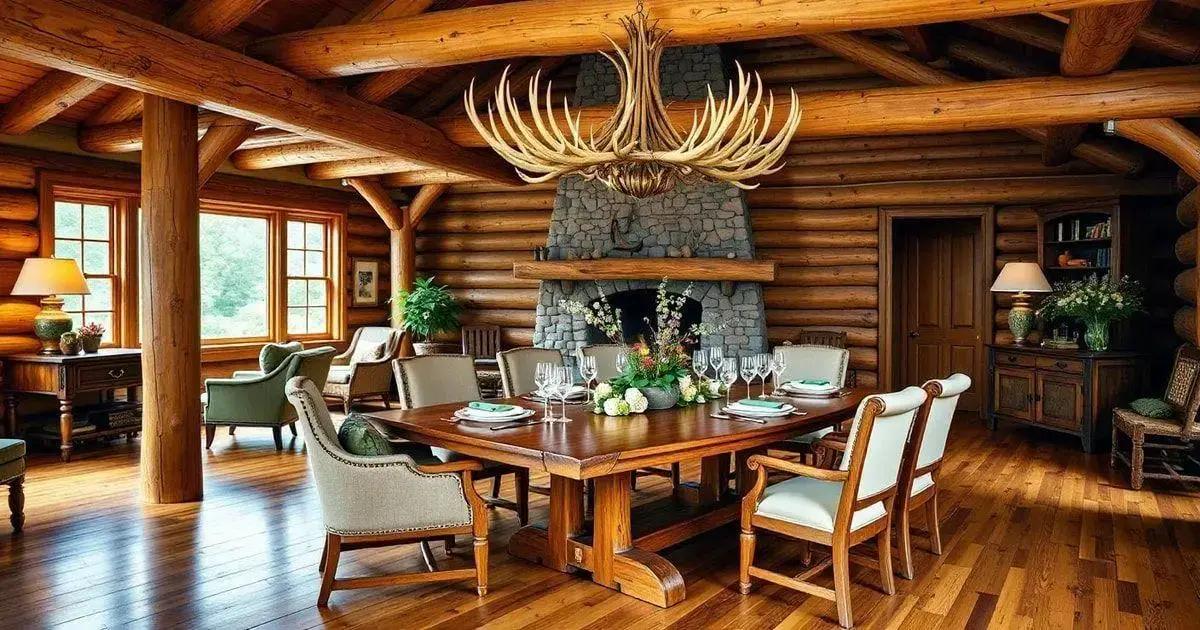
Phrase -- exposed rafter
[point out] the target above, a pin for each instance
(223, 136)
(552, 27)
(1166, 136)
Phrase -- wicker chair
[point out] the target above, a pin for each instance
(1178, 433)
(483, 342)
(364, 369)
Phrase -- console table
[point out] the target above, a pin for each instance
(66, 377)
(1072, 391)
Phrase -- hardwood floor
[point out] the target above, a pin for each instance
(1036, 534)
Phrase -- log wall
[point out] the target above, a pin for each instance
(1185, 285)
(19, 239)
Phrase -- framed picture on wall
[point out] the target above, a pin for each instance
(365, 276)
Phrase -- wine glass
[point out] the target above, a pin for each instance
(764, 368)
(700, 363)
(587, 369)
(542, 377)
(622, 360)
(778, 365)
(729, 374)
(565, 381)
(748, 370)
(715, 356)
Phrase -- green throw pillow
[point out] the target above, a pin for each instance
(273, 355)
(1152, 408)
(360, 437)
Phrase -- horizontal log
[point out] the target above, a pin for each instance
(1185, 247)
(1184, 323)
(482, 222)
(1000, 320)
(368, 247)
(494, 187)
(792, 175)
(360, 167)
(864, 358)
(513, 318)
(423, 177)
(307, 152)
(696, 269)
(480, 242)
(1016, 218)
(861, 317)
(1004, 259)
(18, 240)
(1185, 285)
(470, 261)
(821, 257)
(18, 205)
(820, 297)
(808, 238)
(366, 226)
(484, 279)
(522, 299)
(1186, 211)
(491, 202)
(516, 337)
(18, 344)
(855, 336)
(883, 144)
(840, 276)
(360, 316)
(840, 219)
(811, 70)
(17, 175)
(9, 270)
(1016, 242)
(1009, 149)
(947, 192)
(16, 316)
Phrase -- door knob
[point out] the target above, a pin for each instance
(913, 333)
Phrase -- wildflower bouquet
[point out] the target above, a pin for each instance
(1095, 302)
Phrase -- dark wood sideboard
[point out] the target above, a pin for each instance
(67, 377)
(1072, 391)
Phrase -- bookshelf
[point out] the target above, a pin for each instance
(1080, 242)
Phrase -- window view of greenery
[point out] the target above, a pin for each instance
(307, 278)
(233, 276)
(83, 231)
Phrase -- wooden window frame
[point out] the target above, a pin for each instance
(332, 268)
(272, 271)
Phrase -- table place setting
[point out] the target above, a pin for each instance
(757, 410)
(496, 416)
(810, 388)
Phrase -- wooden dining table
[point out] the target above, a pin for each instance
(619, 546)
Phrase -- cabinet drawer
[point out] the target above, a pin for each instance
(1070, 366)
(109, 374)
(1014, 358)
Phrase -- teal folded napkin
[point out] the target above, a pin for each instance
(751, 402)
(814, 381)
(493, 408)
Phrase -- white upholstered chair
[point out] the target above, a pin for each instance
(812, 362)
(364, 370)
(606, 359)
(391, 499)
(836, 508)
(437, 379)
(517, 367)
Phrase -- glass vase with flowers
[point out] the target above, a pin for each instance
(1096, 302)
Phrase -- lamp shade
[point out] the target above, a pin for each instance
(50, 276)
(1021, 277)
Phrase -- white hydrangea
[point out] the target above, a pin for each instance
(688, 393)
(640, 405)
(610, 406)
(685, 382)
(633, 394)
(714, 389)
(604, 390)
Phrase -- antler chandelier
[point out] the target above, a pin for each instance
(637, 151)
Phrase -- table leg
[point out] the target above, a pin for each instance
(66, 420)
(552, 546)
(714, 482)
(615, 562)
(10, 415)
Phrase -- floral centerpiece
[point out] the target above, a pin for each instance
(1096, 303)
(655, 373)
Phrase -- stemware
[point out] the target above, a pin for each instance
(728, 374)
(778, 365)
(564, 382)
(588, 370)
(622, 360)
(715, 356)
(764, 369)
(700, 363)
(543, 376)
(748, 370)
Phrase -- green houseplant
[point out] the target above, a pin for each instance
(1096, 302)
(426, 310)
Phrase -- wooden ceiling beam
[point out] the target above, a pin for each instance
(1165, 135)
(392, 215)
(48, 97)
(307, 152)
(920, 42)
(77, 36)
(900, 67)
(1156, 34)
(361, 167)
(223, 136)
(554, 27)
(423, 202)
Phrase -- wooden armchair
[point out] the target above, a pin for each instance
(364, 370)
(386, 500)
(835, 508)
(483, 342)
(1179, 433)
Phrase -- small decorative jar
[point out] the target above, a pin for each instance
(68, 343)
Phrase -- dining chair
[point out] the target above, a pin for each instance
(813, 337)
(811, 362)
(437, 379)
(606, 358)
(364, 369)
(835, 508)
(483, 342)
(518, 365)
(386, 500)
(1172, 437)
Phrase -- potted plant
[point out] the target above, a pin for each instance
(1096, 303)
(655, 368)
(90, 336)
(426, 310)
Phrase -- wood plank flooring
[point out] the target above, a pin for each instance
(1037, 535)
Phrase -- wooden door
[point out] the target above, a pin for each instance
(939, 289)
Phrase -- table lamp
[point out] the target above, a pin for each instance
(1021, 278)
(50, 278)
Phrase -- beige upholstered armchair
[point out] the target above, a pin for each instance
(517, 367)
(606, 359)
(392, 499)
(364, 370)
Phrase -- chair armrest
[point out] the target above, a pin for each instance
(256, 399)
(245, 374)
(370, 376)
(764, 462)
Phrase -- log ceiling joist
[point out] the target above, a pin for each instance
(79, 37)
(223, 136)
(555, 27)
(1157, 35)
(1166, 136)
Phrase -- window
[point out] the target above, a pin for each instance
(308, 277)
(234, 271)
(85, 230)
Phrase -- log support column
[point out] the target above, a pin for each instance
(170, 319)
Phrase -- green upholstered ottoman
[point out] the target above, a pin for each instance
(12, 474)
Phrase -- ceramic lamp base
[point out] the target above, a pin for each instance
(51, 323)
(1020, 318)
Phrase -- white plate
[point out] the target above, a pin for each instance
(797, 388)
(476, 415)
(748, 410)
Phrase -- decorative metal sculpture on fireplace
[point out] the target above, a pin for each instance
(638, 151)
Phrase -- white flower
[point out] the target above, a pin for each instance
(688, 393)
(685, 382)
(610, 406)
(714, 388)
(598, 410)
(623, 408)
(639, 406)
(633, 395)
(701, 400)
(604, 390)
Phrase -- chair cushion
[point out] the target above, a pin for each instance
(1152, 408)
(1127, 418)
(812, 503)
(360, 437)
(11, 450)
(922, 483)
(338, 374)
(376, 352)
(274, 354)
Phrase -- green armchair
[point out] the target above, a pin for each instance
(258, 400)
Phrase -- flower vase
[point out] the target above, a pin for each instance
(1095, 335)
(660, 397)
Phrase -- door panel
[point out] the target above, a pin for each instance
(939, 292)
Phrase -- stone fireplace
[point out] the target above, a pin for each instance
(701, 220)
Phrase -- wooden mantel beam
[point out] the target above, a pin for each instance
(96, 41)
(1165, 135)
(555, 27)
